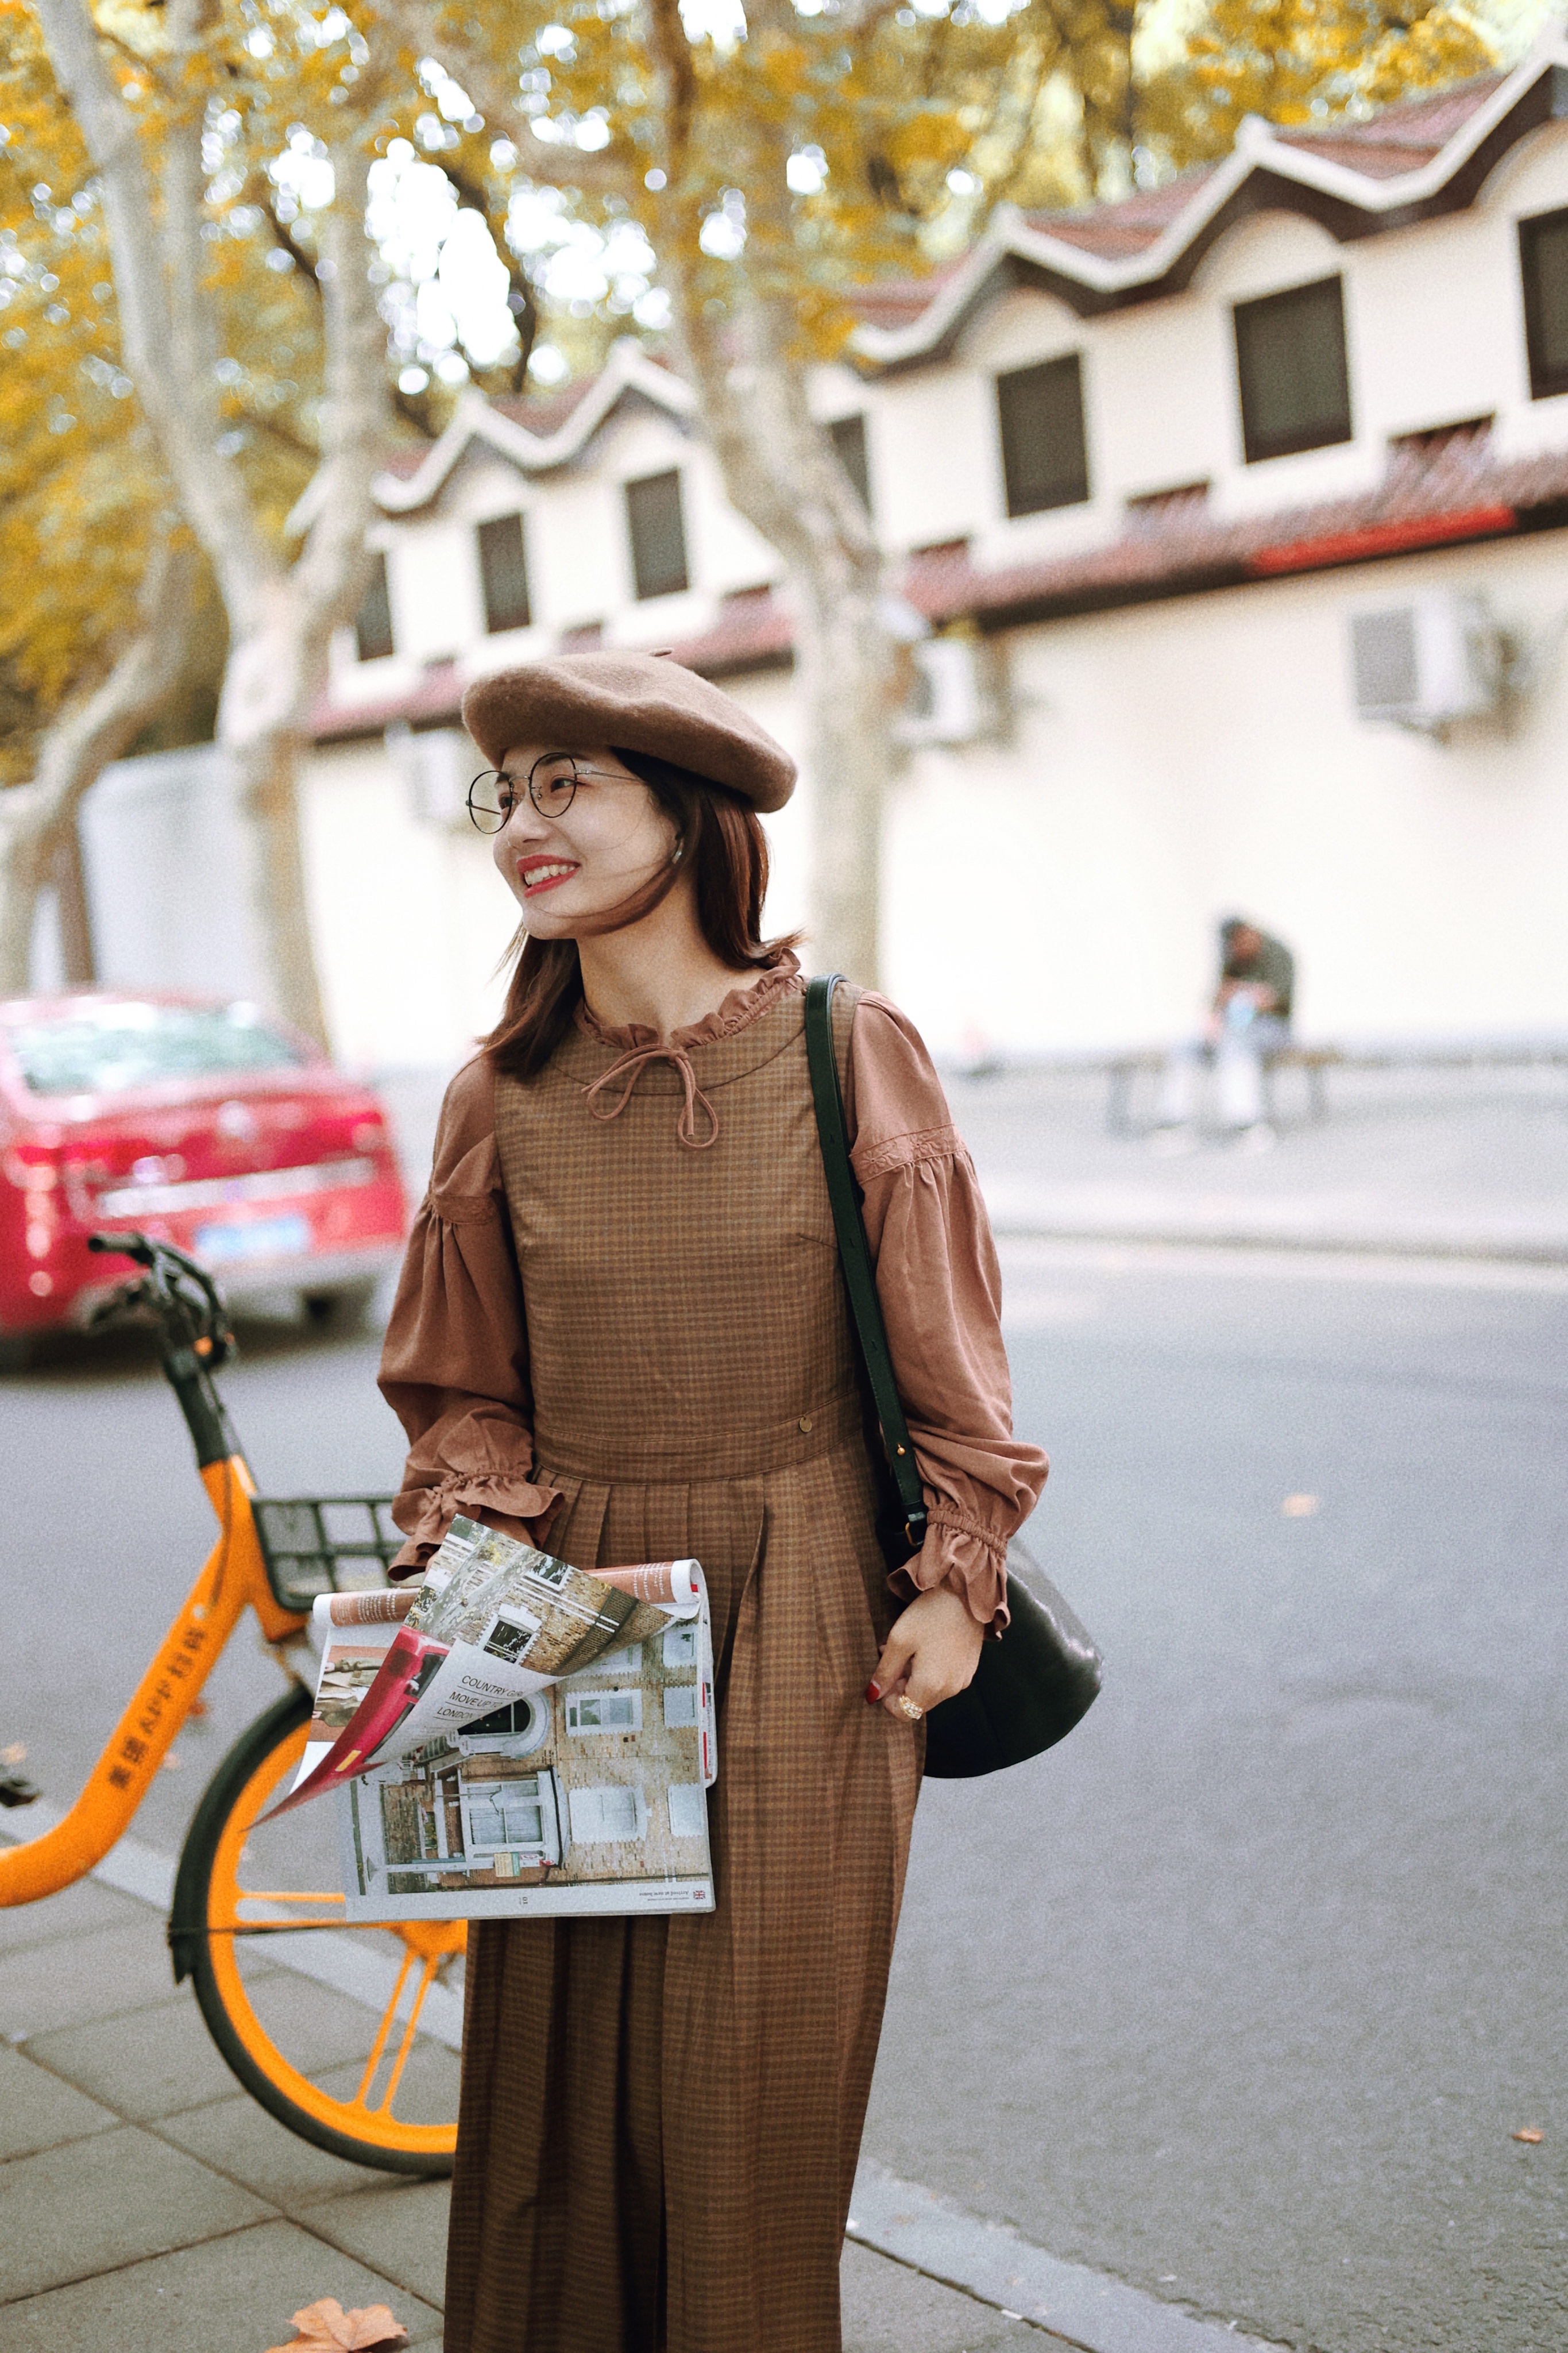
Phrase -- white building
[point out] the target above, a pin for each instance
(1177, 481)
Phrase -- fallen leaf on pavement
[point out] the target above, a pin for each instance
(1530, 2133)
(326, 2328)
(1299, 1507)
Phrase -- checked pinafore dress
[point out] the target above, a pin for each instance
(631, 1257)
(695, 1393)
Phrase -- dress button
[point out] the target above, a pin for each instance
(805, 1421)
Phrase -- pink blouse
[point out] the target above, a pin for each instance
(454, 1366)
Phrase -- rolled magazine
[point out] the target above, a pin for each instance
(517, 1735)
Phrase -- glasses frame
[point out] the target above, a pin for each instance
(579, 772)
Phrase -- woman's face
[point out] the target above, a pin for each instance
(567, 859)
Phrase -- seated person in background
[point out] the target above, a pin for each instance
(1248, 1020)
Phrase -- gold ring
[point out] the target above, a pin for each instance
(907, 1707)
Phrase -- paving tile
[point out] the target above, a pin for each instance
(428, 2092)
(400, 2229)
(70, 2214)
(149, 2064)
(888, 2308)
(237, 2136)
(235, 2294)
(74, 1909)
(101, 1973)
(37, 2111)
(313, 2026)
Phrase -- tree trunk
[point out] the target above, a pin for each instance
(280, 616)
(782, 472)
(778, 465)
(750, 373)
(36, 819)
(68, 880)
(267, 768)
(844, 672)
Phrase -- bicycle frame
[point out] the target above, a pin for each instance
(195, 1340)
(233, 1578)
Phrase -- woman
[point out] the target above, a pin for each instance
(622, 1333)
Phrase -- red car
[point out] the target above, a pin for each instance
(203, 1123)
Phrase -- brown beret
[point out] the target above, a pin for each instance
(642, 702)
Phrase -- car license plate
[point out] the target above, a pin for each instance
(258, 1237)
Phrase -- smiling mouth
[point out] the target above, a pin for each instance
(545, 875)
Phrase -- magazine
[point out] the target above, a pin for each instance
(517, 1737)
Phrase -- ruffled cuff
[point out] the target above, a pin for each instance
(967, 1558)
(516, 1506)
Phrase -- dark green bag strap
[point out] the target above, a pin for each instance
(855, 1256)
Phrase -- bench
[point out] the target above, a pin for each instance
(1126, 1070)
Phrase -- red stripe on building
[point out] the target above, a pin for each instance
(1382, 539)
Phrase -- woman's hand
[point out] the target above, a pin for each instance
(931, 1652)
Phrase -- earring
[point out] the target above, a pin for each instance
(680, 853)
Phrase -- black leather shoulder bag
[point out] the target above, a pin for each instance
(1033, 1685)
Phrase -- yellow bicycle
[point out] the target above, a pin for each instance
(347, 2036)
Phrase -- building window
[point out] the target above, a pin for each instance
(1291, 368)
(628, 1662)
(503, 570)
(848, 438)
(687, 1810)
(679, 1705)
(505, 1814)
(604, 1711)
(1045, 456)
(600, 1817)
(657, 533)
(373, 623)
(512, 1634)
(1543, 268)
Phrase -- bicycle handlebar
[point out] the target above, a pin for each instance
(186, 1305)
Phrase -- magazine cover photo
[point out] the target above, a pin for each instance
(586, 1796)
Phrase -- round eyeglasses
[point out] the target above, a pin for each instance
(551, 784)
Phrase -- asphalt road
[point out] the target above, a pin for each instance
(1242, 1993)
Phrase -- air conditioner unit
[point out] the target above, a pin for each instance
(1426, 662)
(436, 766)
(951, 700)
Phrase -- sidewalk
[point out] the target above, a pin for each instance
(146, 2200)
(1445, 1163)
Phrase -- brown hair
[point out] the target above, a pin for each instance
(724, 846)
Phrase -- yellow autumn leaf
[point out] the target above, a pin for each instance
(326, 2328)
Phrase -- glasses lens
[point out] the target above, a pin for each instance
(552, 785)
(490, 801)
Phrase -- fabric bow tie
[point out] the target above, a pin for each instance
(631, 1067)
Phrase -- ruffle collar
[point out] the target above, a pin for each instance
(740, 1008)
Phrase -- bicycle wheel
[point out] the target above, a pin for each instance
(349, 2036)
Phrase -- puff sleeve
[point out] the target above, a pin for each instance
(454, 1366)
(941, 1290)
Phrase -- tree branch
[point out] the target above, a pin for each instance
(273, 428)
(612, 171)
(95, 727)
(176, 394)
(520, 299)
(276, 668)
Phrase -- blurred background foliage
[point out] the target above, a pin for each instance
(521, 195)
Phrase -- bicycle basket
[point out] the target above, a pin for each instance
(325, 1544)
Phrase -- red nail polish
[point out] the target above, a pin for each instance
(873, 1693)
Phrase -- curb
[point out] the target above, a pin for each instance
(1487, 1250)
(991, 2262)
